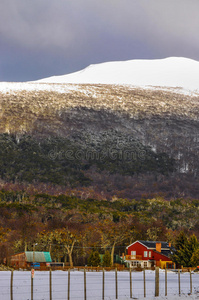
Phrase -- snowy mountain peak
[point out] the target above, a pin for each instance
(167, 72)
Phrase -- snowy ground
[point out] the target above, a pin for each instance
(22, 285)
(14, 87)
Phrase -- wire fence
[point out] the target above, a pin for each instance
(103, 285)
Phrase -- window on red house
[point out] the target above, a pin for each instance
(145, 253)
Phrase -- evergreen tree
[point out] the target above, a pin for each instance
(180, 244)
(195, 258)
(107, 259)
(190, 247)
(94, 259)
(184, 249)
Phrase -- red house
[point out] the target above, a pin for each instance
(147, 254)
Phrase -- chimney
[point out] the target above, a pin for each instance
(158, 247)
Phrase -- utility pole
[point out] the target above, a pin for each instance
(34, 255)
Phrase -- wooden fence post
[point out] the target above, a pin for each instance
(157, 282)
(179, 281)
(84, 284)
(165, 281)
(190, 282)
(103, 281)
(11, 286)
(50, 284)
(69, 284)
(116, 287)
(144, 277)
(130, 273)
(32, 278)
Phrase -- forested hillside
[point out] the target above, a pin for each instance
(110, 140)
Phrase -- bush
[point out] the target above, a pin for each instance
(94, 259)
(107, 259)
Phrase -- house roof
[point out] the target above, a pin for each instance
(152, 245)
(47, 256)
(38, 256)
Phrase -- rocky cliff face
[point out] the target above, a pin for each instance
(154, 131)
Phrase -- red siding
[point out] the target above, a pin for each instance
(18, 260)
(139, 248)
(158, 256)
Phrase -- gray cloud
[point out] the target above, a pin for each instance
(59, 36)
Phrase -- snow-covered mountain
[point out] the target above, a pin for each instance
(138, 115)
(168, 72)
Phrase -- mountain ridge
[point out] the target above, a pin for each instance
(167, 72)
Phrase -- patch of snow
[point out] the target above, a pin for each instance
(176, 72)
(8, 87)
(185, 168)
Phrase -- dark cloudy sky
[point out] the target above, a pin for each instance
(40, 38)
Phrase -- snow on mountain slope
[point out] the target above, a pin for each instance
(173, 74)
(168, 72)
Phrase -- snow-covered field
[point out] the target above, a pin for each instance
(22, 285)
